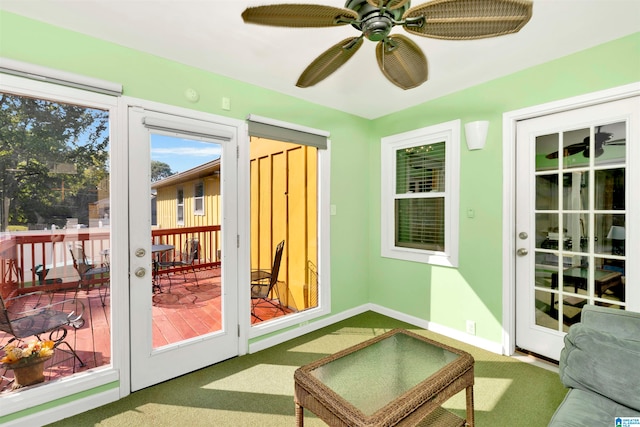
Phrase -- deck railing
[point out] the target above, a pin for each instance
(43, 258)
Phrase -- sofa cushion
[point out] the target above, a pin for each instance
(600, 362)
(624, 324)
(583, 408)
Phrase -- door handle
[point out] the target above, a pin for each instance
(140, 253)
(140, 272)
(522, 252)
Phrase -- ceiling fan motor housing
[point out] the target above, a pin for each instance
(375, 23)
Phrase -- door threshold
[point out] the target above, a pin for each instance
(539, 360)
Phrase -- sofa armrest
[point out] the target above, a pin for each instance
(621, 323)
(603, 363)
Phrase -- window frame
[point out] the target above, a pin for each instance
(196, 198)
(324, 265)
(179, 205)
(449, 133)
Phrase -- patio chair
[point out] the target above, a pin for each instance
(187, 259)
(263, 282)
(90, 275)
(28, 315)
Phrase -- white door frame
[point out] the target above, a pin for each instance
(242, 310)
(509, 121)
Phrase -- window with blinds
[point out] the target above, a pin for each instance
(420, 197)
(420, 194)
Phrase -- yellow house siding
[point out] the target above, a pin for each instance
(284, 207)
(167, 207)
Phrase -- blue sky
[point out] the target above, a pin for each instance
(182, 154)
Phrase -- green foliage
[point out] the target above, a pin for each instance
(160, 170)
(53, 156)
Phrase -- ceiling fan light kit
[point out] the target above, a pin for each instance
(400, 59)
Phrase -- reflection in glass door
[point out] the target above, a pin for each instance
(572, 215)
(579, 222)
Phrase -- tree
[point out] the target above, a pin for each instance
(52, 158)
(160, 170)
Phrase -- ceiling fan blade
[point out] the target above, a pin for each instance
(468, 19)
(617, 142)
(389, 4)
(402, 61)
(329, 61)
(299, 15)
(569, 150)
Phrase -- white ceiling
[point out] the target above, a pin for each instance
(210, 34)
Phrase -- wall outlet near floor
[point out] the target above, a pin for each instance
(471, 327)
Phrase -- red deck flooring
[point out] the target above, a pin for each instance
(180, 311)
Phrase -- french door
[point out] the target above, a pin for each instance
(577, 207)
(183, 251)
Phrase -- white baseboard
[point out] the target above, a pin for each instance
(305, 328)
(439, 329)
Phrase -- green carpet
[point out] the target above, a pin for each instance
(257, 390)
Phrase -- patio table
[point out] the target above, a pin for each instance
(397, 378)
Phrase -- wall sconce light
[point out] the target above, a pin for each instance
(476, 133)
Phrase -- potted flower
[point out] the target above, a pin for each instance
(27, 361)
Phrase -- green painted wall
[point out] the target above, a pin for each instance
(359, 275)
(474, 291)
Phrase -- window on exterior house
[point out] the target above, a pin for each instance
(198, 199)
(180, 204)
(420, 195)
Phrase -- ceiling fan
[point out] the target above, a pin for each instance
(602, 139)
(399, 58)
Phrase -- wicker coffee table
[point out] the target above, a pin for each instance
(398, 378)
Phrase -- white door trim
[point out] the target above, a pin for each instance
(509, 121)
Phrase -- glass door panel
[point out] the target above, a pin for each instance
(186, 205)
(55, 234)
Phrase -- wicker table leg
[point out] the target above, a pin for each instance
(299, 415)
(470, 406)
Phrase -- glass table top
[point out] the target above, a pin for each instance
(377, 374)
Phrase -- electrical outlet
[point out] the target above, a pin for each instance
(471, 327)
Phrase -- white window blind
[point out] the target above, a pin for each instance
(420, 197)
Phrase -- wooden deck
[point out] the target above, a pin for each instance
(185, 309)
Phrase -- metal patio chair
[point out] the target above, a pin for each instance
(28, 315)
(263, 282)
(187, 259)
(90, 275)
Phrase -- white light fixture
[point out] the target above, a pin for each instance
(617, 236)
(616, 233)
(476, 133)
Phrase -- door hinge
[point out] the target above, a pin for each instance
(238, 331)
(237, 152)
(238, 241)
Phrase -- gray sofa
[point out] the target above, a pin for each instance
(600, 364)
